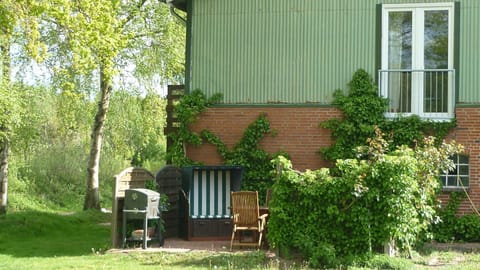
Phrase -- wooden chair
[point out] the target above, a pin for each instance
(245, 215)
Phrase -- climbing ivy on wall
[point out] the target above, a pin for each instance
(246, 152)
(363, 109)
(187, 110)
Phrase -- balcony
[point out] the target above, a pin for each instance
(428, 93)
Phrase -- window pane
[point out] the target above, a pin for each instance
(452, 181)
(436, 57)
(400, 57)
(436, 39)
(463, 159)
(464, 181)
(444, 180)
(400, 91)
(463, 170)
(454, 170)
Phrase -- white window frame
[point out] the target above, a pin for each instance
(456, 161)
(417, 10)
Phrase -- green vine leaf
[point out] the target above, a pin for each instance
(363, 109)
(187, 110)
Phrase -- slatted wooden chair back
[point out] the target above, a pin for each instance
(246, 217)
(245, 208)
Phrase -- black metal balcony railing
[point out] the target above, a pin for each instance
(425, 92)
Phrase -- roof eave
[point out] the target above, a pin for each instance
(180, 4)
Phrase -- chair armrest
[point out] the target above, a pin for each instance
(235, 218)
(261, 222)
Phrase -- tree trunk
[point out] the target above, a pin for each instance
(5, 51)
(3, 176)
(389, 248)
(92, 200)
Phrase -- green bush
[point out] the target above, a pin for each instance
(372, 201)
(468, 228)
(451, 227)
(386, 262)
(55, 177)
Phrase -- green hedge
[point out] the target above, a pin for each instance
(374, 200)
(451, 227)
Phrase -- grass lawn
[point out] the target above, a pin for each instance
(80, 240)
(48, 240)
(139, 260)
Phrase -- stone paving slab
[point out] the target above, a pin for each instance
(181, 245)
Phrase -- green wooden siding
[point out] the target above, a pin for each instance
(469, 77)
(283, 51)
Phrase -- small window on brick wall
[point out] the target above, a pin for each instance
(459, 176)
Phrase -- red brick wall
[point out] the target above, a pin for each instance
(467, 133)
(297, 132)
(299, 135)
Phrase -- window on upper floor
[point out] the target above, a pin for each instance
(417, 74)
(459, 176)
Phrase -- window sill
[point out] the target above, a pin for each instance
(394, 116)
(454, 189)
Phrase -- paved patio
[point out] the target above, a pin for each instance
(181, 245)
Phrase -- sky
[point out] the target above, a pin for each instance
(33, 73)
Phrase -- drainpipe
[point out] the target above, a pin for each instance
(174, 13)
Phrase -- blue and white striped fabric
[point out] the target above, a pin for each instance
(210, 194)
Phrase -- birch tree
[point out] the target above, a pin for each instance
(102, 33)
(23, 16)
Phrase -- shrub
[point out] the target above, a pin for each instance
(468, 228)
(456, 228)
(373, 200)
(386, 262)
